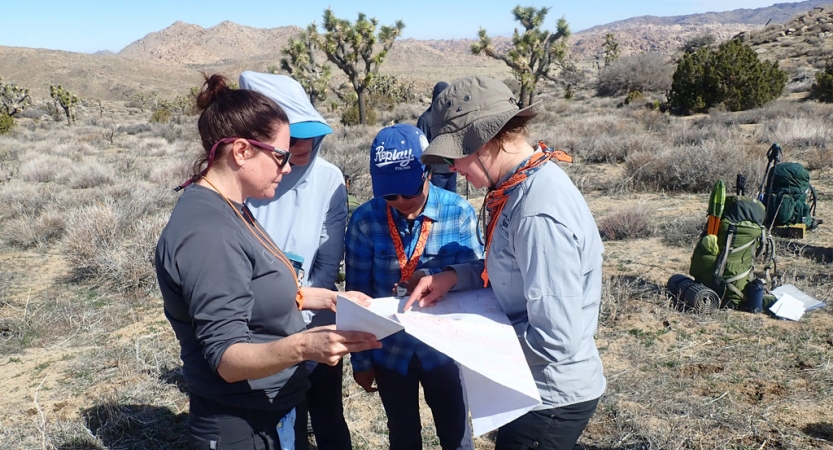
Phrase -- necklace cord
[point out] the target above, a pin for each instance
(266, 241)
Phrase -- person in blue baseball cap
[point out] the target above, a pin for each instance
(306, 218)
(410, 228)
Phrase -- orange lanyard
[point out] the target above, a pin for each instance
(408, 266)
(264, 240)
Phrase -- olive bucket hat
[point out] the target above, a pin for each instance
(467, 114)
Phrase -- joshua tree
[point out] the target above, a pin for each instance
(13, 99)
(66, 99)
(350, 46)
(611, 49)
(534, 54)
(300, 62)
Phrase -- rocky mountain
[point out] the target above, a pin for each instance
(777, 13)
(185, 44)
(169, 61)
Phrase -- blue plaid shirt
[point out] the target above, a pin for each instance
(372, 266)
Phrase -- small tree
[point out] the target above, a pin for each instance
(645, 72)
(66, 99)
(698, 42)
(534, 54)
(13, 98)
(300, 62)
(350, 46)
(611, 49)
(822, 88)
(732, 75)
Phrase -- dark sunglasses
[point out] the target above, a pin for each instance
(281, 156)
(395, 197)
(448, 161)
(294, 140)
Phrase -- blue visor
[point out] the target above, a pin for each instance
(307, 130)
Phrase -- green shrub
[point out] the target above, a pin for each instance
(633, 96)
(732, 75)
(6, 123)
(822, 89)
(161, 115)
(646, 72)
(350, 116)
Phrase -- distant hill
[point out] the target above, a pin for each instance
(777, 13)
(170, 61)
(186, 44)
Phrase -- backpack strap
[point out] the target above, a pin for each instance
(728, 283)
(720, 267)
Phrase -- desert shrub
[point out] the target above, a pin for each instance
(386, 91)
(85, 176)
(819, 158)
(732, 76)
(401, 113)
(633, 96)
(646, 72)
(350, 116)
(41, 169)
(134, 129)
(6, 123)
(691, 168)
(821, 90)
(161, 115)
(626, 224)
(349, 149)
(23, 199)
(697, 42)
(112, 243)
(25, 232)
(682, 231)
(799, 131)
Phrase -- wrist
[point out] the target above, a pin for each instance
(299, 344)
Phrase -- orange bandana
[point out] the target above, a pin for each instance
(408, 266)
(497, 197)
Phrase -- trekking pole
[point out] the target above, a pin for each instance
(773, 154)
(740, 185)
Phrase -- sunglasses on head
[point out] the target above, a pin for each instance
(395, 197)
(281, 156)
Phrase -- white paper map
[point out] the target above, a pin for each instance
(470, 328)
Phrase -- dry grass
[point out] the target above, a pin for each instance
(89, 361)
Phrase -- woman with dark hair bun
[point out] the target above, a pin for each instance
(231, 295)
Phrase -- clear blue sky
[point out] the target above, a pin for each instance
(92, 25)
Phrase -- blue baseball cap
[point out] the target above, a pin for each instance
(395, 167)
(307, 130)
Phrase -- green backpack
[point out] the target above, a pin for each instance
(725, 262)
(787, 194)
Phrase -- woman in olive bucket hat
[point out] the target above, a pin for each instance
(543, 256)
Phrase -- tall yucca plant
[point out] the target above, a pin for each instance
(536, 53)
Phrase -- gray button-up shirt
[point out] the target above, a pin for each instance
(545, 267)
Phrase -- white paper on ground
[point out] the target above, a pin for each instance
(810, 303)
(470, 328)
(381, 321)
(788, 307)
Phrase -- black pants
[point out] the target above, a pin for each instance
(548, 429)
(214, 426)
(326, 409)
(444, 395)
